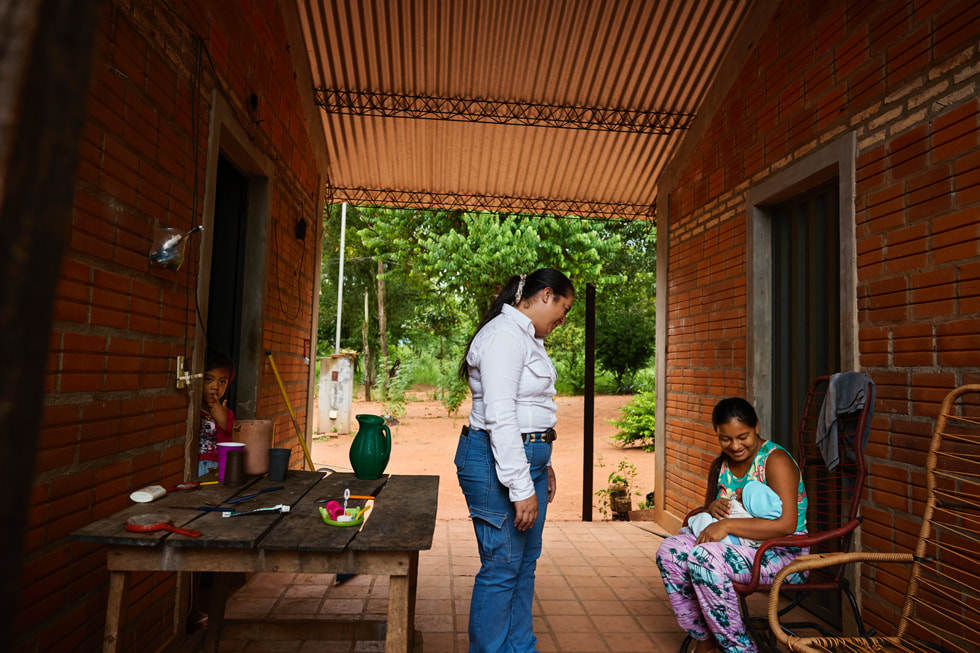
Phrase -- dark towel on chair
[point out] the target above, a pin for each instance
(845, 395)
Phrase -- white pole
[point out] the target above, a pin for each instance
(340, 276)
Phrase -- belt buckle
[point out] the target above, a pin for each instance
(539, 436)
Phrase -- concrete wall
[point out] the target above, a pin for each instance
(172, 86)
(900, 81)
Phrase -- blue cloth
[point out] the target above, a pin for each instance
(697, 523)
(503, 590)
(761, 501)
(205, 466)
(758, 500)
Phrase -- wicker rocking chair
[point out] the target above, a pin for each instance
(832, 518)
(941, 610)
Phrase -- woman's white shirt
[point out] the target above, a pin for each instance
(512, 381)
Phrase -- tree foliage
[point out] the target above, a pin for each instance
(443, 268)
(469, 256)
(624, 344)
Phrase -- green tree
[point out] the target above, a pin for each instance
(470, 255)
(624, 343)
(360, 274)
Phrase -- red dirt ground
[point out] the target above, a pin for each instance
(424, 442)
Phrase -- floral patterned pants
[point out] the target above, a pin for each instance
(699, 585)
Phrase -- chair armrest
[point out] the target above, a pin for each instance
(808, 539)
(818, 561)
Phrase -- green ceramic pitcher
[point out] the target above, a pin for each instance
(371, 448)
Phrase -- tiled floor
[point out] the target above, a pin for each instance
(597, 590)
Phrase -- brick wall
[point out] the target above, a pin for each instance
(904, 77)
(114, 420)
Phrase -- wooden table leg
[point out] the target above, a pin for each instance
(400, 634)
(118, 600)
(216, 611)
(182, 607)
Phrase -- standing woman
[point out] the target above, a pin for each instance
(698, 571)
(503, 460)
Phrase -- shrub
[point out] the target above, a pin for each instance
(636, 424)
(393, 403)
(451, 391)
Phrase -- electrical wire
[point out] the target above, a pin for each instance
(299, 276)
(195, 135)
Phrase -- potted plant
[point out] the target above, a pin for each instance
(645, 510)
(616, 495)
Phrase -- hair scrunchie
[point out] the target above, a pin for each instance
(520, 289)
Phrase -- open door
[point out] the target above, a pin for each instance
(224, 328)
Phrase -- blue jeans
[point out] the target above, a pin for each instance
(500, 609)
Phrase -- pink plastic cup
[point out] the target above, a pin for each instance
(223, 448)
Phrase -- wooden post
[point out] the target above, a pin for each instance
(382, 328)
(367, 350)
(588, 430)
(44, 84)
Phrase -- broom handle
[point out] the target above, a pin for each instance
(299, 431)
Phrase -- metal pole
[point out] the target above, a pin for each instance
(588, 430)
(340, 276)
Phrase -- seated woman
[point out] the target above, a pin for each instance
(698, 570)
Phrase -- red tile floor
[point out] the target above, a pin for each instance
(597, 590)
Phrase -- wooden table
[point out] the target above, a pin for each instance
(401, 524)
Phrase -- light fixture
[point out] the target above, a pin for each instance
(168, 247)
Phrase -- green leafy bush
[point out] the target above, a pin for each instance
(451, 390)
(645, 380)
(636, 424)
(393, 402)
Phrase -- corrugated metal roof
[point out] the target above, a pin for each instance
(544, 106)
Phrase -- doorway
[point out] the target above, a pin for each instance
(231, 286)
(805, 326)
(801, 286)
(805, 302)
(224, 327)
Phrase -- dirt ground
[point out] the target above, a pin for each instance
(424, 442)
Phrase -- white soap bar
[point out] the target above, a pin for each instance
(148, 494)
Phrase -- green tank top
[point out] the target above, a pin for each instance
(729, 484)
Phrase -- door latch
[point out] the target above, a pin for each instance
(183, 377)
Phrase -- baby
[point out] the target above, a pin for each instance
(758, 500)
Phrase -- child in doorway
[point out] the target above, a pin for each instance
(216, 418)
(756, 499)
(216, 424)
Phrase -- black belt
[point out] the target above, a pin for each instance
(538, 436)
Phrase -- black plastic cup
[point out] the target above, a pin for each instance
(235, 467)
(278, 464)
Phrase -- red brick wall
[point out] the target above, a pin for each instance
(903, 76)
(114, 420)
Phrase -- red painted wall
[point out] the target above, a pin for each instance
(903, 76)
(114, 420)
